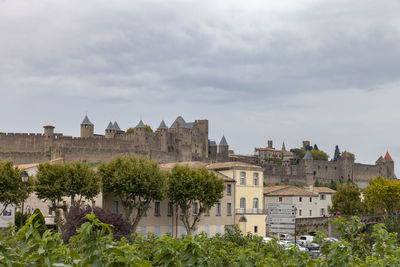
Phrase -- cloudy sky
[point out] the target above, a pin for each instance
(325, 71)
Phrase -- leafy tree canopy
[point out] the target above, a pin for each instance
(130, 130)
(347, 201)
(11, 185)
(136, 182)
(383, 195)
(187, 186)
(319, 155)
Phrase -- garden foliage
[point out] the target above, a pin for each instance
(94, 245)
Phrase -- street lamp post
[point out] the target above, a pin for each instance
(24, 177)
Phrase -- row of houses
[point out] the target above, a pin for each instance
(244, 202)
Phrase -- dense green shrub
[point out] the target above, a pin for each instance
(94, 245)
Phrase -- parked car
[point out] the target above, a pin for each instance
(267, 239)
(308, 239)
(285, 237)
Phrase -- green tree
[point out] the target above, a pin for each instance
(383, 195)
(56, 181)
(51, 186)
(81, 182)
(188, 187)
(347, 201)
(148, 128)
(130, 130)
(336, 156)
(319, 155)
(298, 153)
(12, 186)
(136, 182)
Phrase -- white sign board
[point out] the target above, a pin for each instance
(286, 226)
(8, 216)
(286, 231)
(281, 220)
(278, 206)
(274, 213)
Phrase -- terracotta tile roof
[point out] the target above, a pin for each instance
(270, 189)
(324, 190)
(269, 149)
(291, 191)
(227, 165)
(388, 157)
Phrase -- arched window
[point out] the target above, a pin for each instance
(255, 205)
(242, 178)
(242, 204)
(255, 178)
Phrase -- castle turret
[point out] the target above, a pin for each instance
(87, 128)
(283, 147)
(389, 166)
(110, 130)
(162, 130)
(212, 151)
(49, 131)
(309, 176)
(223, 150)
(140, 133)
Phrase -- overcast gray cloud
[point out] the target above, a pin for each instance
(292, 70)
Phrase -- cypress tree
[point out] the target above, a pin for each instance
(337, 153)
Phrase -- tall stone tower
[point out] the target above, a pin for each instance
(162, 130)
(389, 166)
(87, 128)
(203, 126)
(223, 150)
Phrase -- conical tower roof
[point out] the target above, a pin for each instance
(86, 121)
(380, 160)
(180, 122)
(223, 142)
(140, 125)
(308, 156)
(162, 125)
(283, 147)
(388, 157)
(110, 126)
(116, 126)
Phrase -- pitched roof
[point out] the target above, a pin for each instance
(110, 126)
(273, 188)
(308, 155)
(380, 160)
(162, 125)
(324, 190)
(140, 125)
(223, 142)
(86, 121)
(212, 143)
(231, 164)
(180, 122)
(291, 191)
(388, 157)
(116, 126)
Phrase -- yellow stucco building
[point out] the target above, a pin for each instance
(250, 214)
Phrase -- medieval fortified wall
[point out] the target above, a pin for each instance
(279, 167)
(183, 141)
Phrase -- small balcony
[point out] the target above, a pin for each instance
(251, 211)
